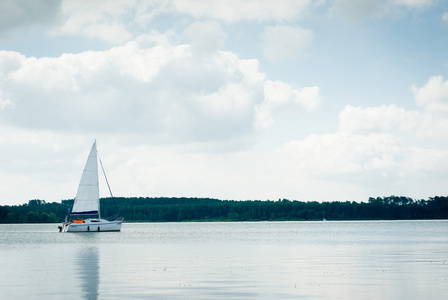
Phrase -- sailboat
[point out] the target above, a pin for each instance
(87, 202)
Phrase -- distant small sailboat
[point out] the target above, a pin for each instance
(87, 202)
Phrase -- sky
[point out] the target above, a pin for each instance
(326, 100)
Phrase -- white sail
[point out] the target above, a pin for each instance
(87, 198)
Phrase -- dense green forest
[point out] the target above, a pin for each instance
(205, 209)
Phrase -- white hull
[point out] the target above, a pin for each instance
(92, 225)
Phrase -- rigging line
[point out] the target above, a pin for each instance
(107, 182)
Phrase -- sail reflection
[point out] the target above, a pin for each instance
(87, 263)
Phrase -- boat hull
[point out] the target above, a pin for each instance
(97, 225)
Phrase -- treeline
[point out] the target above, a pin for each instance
(205, 209)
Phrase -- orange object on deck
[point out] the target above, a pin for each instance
(78, 221)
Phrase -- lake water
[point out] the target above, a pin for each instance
(260, 260)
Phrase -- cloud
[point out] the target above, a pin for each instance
(117, 21)
(205, 36)
(361, 10)
(430, 122)
(414, 3)
(164, 91)
(390, 118)
(356, 10)
(348, 166)
(285, 42)
(343, 153)
(120, 21)
(433, 97)
(384, 117)
(23, 13)
(102, 20)
(377, 155)
(280, 97)
(445, 19)
(234, 10)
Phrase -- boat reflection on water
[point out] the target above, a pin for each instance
(87, 270)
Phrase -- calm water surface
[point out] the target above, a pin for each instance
(263, 260)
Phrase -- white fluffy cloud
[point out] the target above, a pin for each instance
(433, 97)
(384, 117)
(165, 91)
(280, 96)
(351, 166)
(430, 122)
(103, 20)
(115, 21)
(285, 42)
(343, 153)
(119, 21)
(392, 118)
(373, 155)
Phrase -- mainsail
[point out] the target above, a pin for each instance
(87, 198)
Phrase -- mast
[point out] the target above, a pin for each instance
(97, 183)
